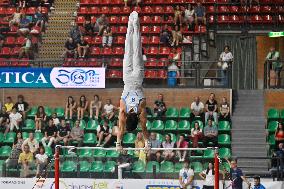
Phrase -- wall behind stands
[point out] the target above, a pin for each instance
(58, 97)
(263, 45)
(274, 99)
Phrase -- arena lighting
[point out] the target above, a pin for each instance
(275, 34)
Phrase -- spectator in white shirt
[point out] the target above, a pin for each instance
(197, 109)
(186, 175)
(41, 161)
(208, 176)
(15, 119)
(104, 133)
(32, 143)
(108, 110)
(55, 119)
(189, 16)
(225, 59)
(168, 154)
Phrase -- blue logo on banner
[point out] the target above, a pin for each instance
(77, 76)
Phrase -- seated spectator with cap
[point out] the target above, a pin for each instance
(210, 134)
(197, 109)
(104, 132)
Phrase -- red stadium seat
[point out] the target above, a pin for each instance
(10, 40)
(234, 9)
(20, 41)
(147, 10)
(156, 29)
(150, 74)
(163, 62)
(169, 9)
(211, 19)
(211, 9)
(222, 19)
(254, 9)
(222, 1)
(113, 29)
(15, 51)
(114, 74)
(107, 51)
(82, 2)
(14, 62)
(97, 40)
(94, 10)
(115, 10)
(105, 2)
(122, 29)
(34, 40)
(80, 19)
(124, 19)
(104, 10)
(266, 9)
(3, 62)
(281, 9)
(95, 51)
(157, 19)
(5, 51)
(126, 10)
(83, 10)
(24, 62)
(169, 21)
(93, 19)
(146, 19)
(113, 19)
(145, 29)
(235, 19)
(116, 2)
(211, 1)
(95, 2)
(94, 62)
(81, 63)
(155, 40)
(281, 19)
(10, 10)
(255, 19)
(145, 40)
(165, 50)
(267, 19)
(88, 39)
(159, 10)
(223, 9)
(161, 74)
(31, 10)
(68, 62)
(116, 62)
(151, 62)
(153, 51)
(120, 40)
(118, 51)
(2, 10)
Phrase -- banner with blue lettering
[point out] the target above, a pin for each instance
(58, 77)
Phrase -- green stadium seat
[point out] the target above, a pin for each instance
(129, 138)
(90, 138)
(48, 111)
(172, 112)
(282, 114)
(184, 113)
(171, 125)
(59, 111)
(224, 153)
(157, 125)
(178, 167)
(183, 125)
(150, 167)
(5, 151)
(224, 139)
(83, 124)
(32, 112)
(29, 125)
(68, 166)
(225, 166)
(48, 151)
(271, 139)
(224, 126)
(273, 113)
(84, 166)
(167, 167)
(38, 136)
(208, 153)
(173, 137)
(1, 166)
(9, 138)
(99, 153)
(85, 153)
(112, 154)
(92, 125)
(25, 135)
(160, 137)
(138, 167)
(200, 124)
(1, 137)
(148, 125)
(109, 166)
(196, 166)
(97, 166)
(272, 126)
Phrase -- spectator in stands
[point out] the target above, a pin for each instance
(82, 107)
(177, 36)
(70, 107)
(49, 134)
(160, 107)
(174, 56)
(124, 162)
(210, 134)
(178, 16)
(224, 110)
(275, 66)
(196, 134)
(16, 18)
(16, 150)
(4, 119)
(77, 133)
(26, 48)
(279, 134)
(55, 119)
(32, 143)
(41, 162)
(197, 109)
(63, 133)
(26, 160)
(276, 159)
(104, 133)
(40, 118)
(189, 16)
(168, 155)
(88, 26)
(82, 47)
(9, 104)
(155, 143)
(200, 14)
(70, 48)
(225, 59)
(75, 33)
(22, 106)
(208, 175)
(24, 26)
(257, 184)
(95, 107)
(173, 74)
(107, 37)
(165, 35)
(139, 143)
(181, 143)
(108, 110)
(186, 175)
(211, 108)
(15, 119)
(22, 3)
(101, 23)
(39, 19)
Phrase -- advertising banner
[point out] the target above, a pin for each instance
(78, 183)
(58, 77)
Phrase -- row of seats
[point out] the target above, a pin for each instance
(256, 19)
(274, 113)
(14, 62)
(28, 11)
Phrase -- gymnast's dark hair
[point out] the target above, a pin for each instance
(131, 121)
(213, 171)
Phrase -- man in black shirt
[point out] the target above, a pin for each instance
(49, 134)
(4, 118)
(159, 106)
(82, 47)
(70, 48)
(63, 133)
(211, 108)
(22, 106)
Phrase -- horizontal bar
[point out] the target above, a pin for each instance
(101, 148)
